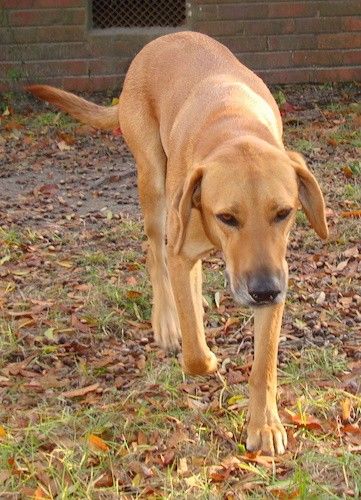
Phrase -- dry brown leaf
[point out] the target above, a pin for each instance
(68, 264)
(346, 410)
(106, 480)
(342, 265)
(351, 429)
(82, 391)
(351, 214)
(78, 325)
(39, 494)
(218, 474)
(284, 494)
(305, 421)
(63, 146)
(258, 458)
(97, 442)
(236, 377)
(180, 435)
(182, 468)
(347, 171)
(133, 294)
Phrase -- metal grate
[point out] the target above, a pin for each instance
(138, 13)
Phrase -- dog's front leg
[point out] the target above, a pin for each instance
(265, 431)
(185, 275)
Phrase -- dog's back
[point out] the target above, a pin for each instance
(172, 66)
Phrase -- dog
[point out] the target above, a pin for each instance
(213, 173)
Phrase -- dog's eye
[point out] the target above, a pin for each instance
(228, 219)
(282, 215)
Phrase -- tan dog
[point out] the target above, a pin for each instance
(206, 135)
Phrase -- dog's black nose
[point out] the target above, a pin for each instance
(264, 289)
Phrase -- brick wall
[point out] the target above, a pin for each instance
(51, 41)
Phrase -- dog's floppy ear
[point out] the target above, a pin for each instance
(188, 196)
(310, 195)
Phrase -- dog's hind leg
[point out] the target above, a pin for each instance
(164, 315)
(151, 165)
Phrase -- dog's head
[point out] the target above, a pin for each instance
(248, 196)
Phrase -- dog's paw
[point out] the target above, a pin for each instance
(166, 330)
(270, 438)
(197, 365)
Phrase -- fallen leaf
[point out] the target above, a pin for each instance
(236, 377)
(97, 442)
(63, 146)
(351, 429)
(39, 494)
(131, 280)
(81, 391)
(133, 294)
(218, 474)
(182, 468)
(217, 299)
(65, 263)
(106, 480)
(180, 435)
(258, 458)
(353, 214)
(79, 325)
(351, 252)
(48, 189)
(305, 421)
(342, 265)
(346, 410)
(2, 432)
(347, 172)
(321, 298)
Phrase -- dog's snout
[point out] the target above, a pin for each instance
(264, 289)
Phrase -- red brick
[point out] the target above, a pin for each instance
(292, 9)
(94, 84)
(44, 51)
(38, 4)
(290, 42)
(218, 28)
(318, 75)
(46, 17)
(339, 41)
(5, 36)
(243, 11)
(351, 24)
(205, 12)
(288, 75)
(267, 27)
(344, 74)
(265, 60)
(326, 57)
(28, 35)
(339, 8)
(38, 71)
(75, 33)
(318, 25)
(238, 44)
(114, 66)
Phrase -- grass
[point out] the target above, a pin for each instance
(48, 445)
(352, 192)
(167, 435)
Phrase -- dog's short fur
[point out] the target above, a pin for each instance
(206, 135)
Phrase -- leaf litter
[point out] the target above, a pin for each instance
(80, 374)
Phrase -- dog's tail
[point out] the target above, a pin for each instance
(102, 117)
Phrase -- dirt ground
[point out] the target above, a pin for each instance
(91, 408)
